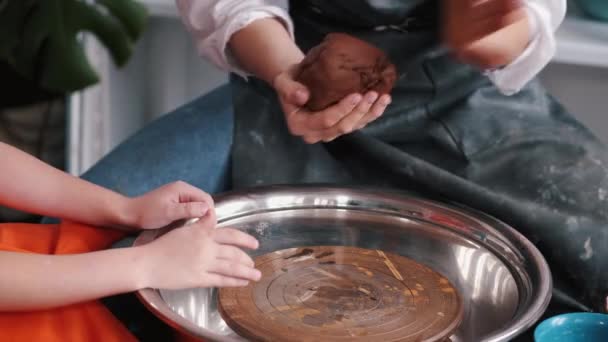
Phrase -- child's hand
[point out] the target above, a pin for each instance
(486, 33)
(167, 204)
(352, 113)
(199, 255)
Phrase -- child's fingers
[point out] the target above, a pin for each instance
(229, 236)
(231, 253)
(188, 210)
(218, 280)
(209, 220)
(235, 270)
(190, 193)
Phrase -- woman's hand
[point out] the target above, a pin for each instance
(352, 113)
(486, 33)
(199, 255)
(167, 204)
(278, 65)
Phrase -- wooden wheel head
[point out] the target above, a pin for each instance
(342, 293)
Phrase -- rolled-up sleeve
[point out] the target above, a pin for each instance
(213, 22)
(545, 16)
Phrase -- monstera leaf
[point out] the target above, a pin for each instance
(40, 38)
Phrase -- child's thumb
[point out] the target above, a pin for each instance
(189, 210)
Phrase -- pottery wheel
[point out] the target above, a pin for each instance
(342, 293)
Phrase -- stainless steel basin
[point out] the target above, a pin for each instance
(504, 280)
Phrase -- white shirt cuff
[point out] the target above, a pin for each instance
(512, 78)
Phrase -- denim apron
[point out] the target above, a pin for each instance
(448, 134)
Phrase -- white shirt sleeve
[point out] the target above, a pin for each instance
(545, 17)
(213, 22)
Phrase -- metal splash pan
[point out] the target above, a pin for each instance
(503, 279)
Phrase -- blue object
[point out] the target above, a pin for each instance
(595, 8)
(191, 144)
(573, 327)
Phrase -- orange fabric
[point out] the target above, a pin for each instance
(183, 337)
(89, 321)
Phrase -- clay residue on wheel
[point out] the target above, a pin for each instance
(342, 293)
(304, 252)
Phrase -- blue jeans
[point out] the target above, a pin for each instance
(191, 144)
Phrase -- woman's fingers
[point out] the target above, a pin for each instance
(480, 10)
(329, 117)
(349, 122)
(375, 112)
(368, 110)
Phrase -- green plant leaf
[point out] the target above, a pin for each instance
(132, 15)
(40, 38)
(12, 23)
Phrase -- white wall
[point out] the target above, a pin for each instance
(584, 91)
(175, 72)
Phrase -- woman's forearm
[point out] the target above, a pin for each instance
(265, 49)
(35, 281)
(28, 184)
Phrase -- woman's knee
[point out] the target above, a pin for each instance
(192, 144)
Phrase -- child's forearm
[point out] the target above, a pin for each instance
(265, 49)
(35, 281)
(28, 184)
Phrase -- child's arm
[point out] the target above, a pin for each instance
(198, 255)
(28, 184)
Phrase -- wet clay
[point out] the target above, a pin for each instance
(342, 65)
(342, 293)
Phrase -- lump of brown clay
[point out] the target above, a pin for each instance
(342, 65)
